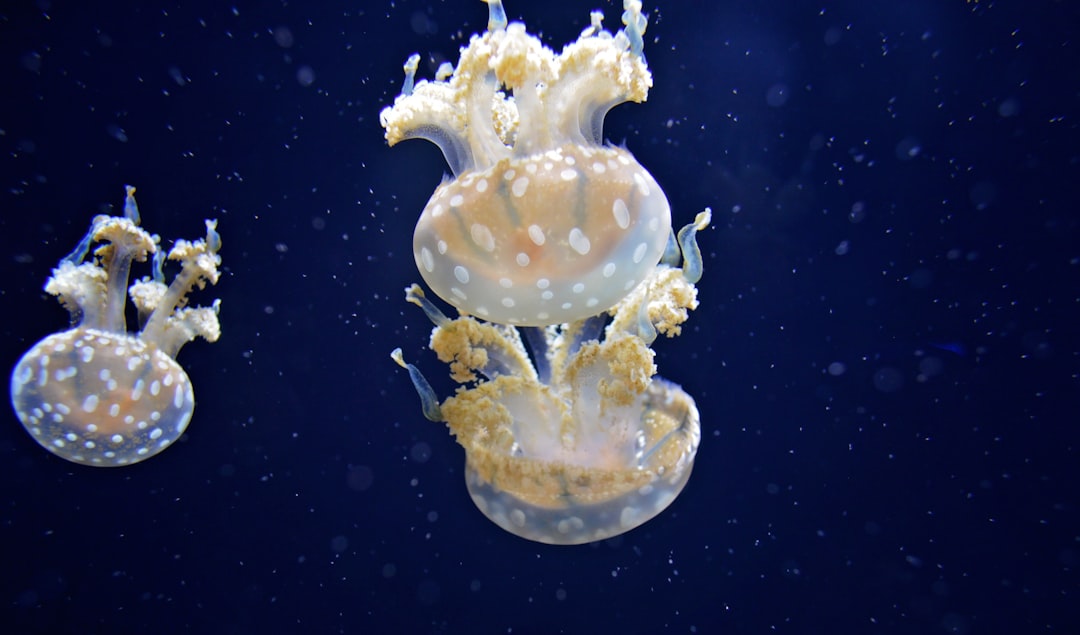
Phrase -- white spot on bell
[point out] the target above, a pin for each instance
(643, 185)
(621, 213)
(536, 234)
(578, 241)
(481, 235)
(519, 186)
(427, 261)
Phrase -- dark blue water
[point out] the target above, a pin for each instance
(886, 356)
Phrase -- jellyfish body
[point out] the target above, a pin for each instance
(96, 394)
(551, 237)
(542, 223)
(580, 442)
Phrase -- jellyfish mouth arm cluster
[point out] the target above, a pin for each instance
(98, 394)
(167, 321)
(89, 290)
(553, 100)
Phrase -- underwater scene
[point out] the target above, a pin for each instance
(688, 317)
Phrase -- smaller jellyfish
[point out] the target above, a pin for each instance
(96, 394)
(582, 442)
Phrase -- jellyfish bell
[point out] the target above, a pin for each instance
(549, 245)
(578, 470)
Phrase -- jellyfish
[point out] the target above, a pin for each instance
(96, 394)
(542, 223)
(548, 241)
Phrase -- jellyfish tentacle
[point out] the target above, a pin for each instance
(496, 15)
(692, 263)
(415, 295)
(635, 26)
(428, 401)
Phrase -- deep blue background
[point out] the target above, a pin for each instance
(894, 187)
